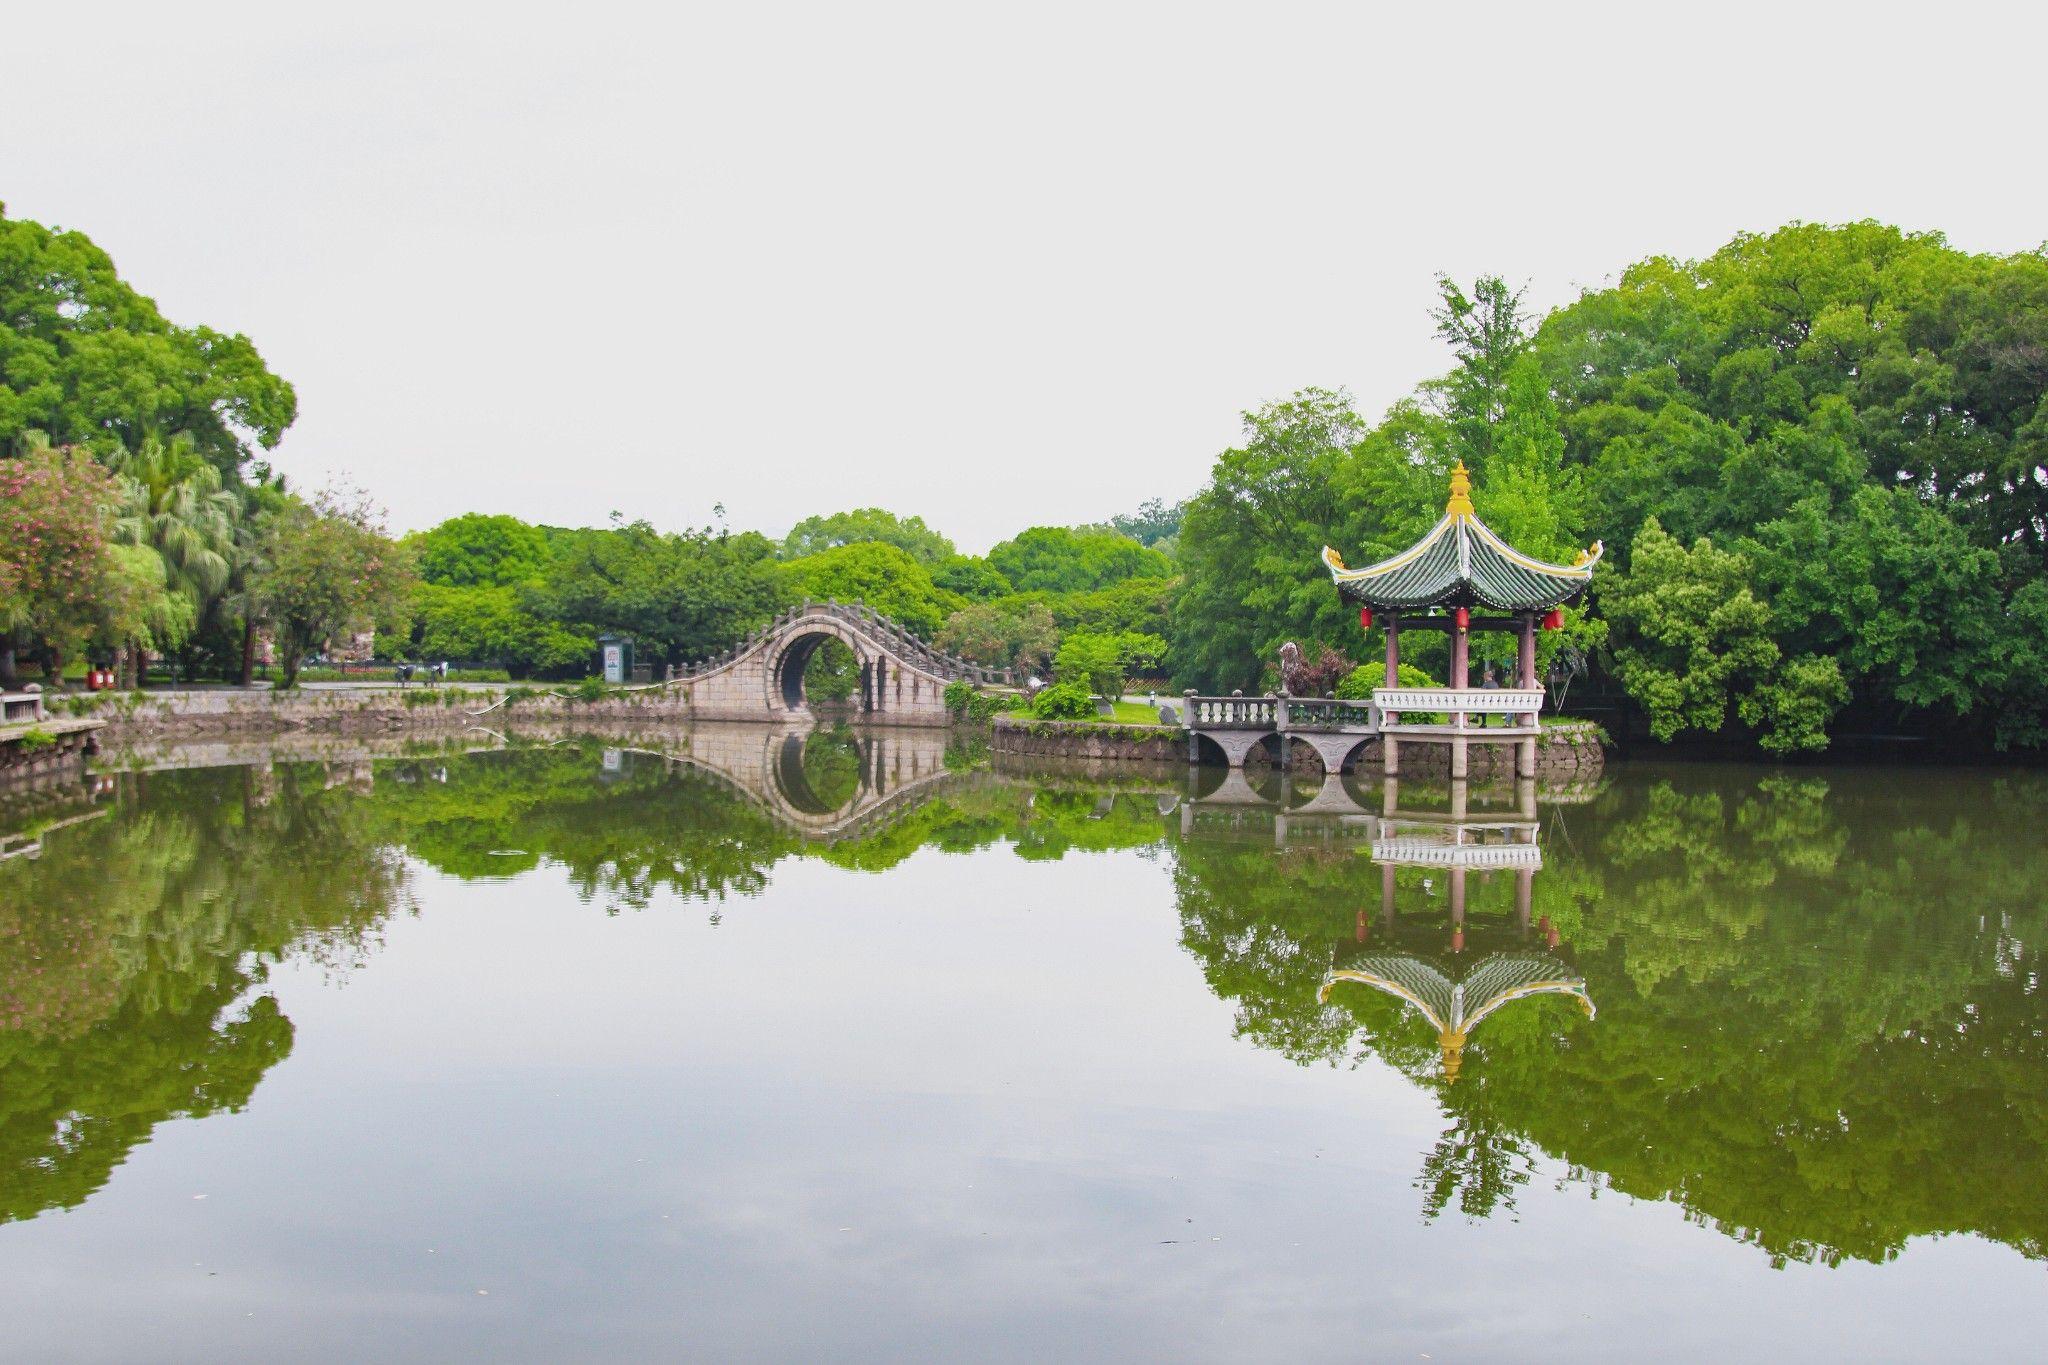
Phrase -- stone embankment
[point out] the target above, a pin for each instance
(1087, 739)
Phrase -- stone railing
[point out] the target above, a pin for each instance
(1235, 712)
(865, 621)
(1492, 701)
(1458, 702)
(1328, 713)
(1281, 712)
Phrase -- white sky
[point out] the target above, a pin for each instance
(993, 265)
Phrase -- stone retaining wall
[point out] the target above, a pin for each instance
(66, 747)
(1085, 739)
(231, 712)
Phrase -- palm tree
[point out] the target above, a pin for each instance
(260, 502)
(177, 507)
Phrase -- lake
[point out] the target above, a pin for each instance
(738, 1044)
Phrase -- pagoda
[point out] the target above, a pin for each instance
(1458, 568)
(1457, 985)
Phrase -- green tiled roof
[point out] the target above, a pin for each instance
(1461, 563)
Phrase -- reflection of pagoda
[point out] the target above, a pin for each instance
(1456, 986)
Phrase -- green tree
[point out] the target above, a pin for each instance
(493, 624)
(1013, 633)
(330, 568)
(480, 551)
(176, 506)
(682, 596)
(1074, 559)
(1310, 472)
(971, 577)
(1690, 636)
(864, 525)
(1154, 521)
(1487, 332)
(883, 576)
(88, 360)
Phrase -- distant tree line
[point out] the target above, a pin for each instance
(1818, 459)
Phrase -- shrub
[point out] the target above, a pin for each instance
(591, 689)
(37, 738)
(969, 703)
(1359, 683)
(1064, 701)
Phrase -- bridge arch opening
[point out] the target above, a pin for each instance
(820, 667)
(821, 772)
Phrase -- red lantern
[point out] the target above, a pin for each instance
(1464, 618)
(1365, 618)
(1553, 619)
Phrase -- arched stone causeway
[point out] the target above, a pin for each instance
(902, 679)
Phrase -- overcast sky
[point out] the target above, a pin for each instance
(993, 265)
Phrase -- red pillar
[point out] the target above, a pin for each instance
(1525, 661)
(1393, 659)
(1461, 664)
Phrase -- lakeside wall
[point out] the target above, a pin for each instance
(169, 716)
(131, 716)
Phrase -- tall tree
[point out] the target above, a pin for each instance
(56, 516)
(88, 360)
(175, 506)
(681, 596)
(1074, 559)
(330, 569)
(1487, 332)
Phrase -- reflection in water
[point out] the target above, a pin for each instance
(1820, 1025)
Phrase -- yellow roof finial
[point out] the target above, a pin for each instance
(1460, 504)
(1453, 1044)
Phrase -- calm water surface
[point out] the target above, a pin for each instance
(728, 1044)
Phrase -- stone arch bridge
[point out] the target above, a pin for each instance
(902, 678)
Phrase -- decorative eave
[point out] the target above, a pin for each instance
(1454, 1007)
(1461, 562)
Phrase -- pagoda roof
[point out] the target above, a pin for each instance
(1462, 563)
(1455, 1005)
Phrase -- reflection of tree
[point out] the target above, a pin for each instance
(654, 826)
(1820, 1029)
(624, 834)
(831, 761)
(1479, 1158)
(129, 950)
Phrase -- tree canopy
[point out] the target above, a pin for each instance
(87, 360)
(865, 524)
(1074, 559)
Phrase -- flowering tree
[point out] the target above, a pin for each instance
(56, 511)
(329, 566)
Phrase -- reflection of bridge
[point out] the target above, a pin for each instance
(902, 679)
(892, 771)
